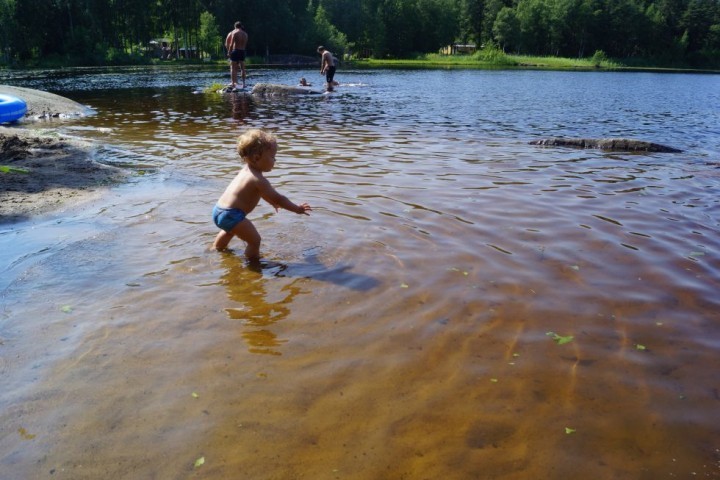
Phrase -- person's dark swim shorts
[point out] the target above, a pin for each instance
(237, 55)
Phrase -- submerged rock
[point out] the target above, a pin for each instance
(614, 144)
(270, 89)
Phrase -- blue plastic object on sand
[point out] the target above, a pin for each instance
(11, 108)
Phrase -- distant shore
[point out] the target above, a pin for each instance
(491, 58)
(499, 60)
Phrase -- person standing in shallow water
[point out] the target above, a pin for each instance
(235, 44)
(257, 148)
(327, 67)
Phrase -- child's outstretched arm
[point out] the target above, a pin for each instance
(277, 200)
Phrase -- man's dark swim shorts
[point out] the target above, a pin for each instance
(227, 218)
(330, 74)
(237, 56)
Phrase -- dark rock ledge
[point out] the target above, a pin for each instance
(613, 144)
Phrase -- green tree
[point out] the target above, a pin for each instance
(376, 35)
(400, 21)
(210, 40)
(327, 34)
(32, 38)
(7, 20)
(534, 19)
(713, 40)
(572, 27)
(490, 13)
(438, 27)
(506, 29)
(348, 16)
(697, 19)
(471, 16)
(92, 31)
(624, 19)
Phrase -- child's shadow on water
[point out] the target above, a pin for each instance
(314, 269)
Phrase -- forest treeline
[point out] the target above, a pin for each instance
(92, 32)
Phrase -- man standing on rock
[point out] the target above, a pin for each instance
(235, 44)
(327, 67)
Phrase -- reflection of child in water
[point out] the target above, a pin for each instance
(258, 149)
(304, 83)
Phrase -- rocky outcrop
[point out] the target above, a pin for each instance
(271, 89)
(43, 105)
(613, 144)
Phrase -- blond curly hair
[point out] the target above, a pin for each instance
(253, 142)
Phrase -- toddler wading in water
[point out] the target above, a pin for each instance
(257, 148)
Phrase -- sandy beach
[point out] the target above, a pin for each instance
(42, 170)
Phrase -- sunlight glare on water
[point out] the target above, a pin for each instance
(459, 304)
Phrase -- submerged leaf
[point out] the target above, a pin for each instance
(559, 339)
(200, 461)
(66, 309)
(195, 395)
(569, 430)
(640, 347)
(25, 434)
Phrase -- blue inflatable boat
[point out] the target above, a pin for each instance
(11, 108)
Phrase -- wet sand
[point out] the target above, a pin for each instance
(43, 170)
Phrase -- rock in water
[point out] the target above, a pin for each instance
(270, 89)
(613, 144)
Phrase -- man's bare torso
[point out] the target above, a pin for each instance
(237, 40)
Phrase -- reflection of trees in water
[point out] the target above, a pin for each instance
(246, 286)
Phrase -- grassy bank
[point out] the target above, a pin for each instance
(493, 59)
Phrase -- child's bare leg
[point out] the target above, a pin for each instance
(222, 240)
(246, 231)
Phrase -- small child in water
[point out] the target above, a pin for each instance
(257, 148)
(304, 83)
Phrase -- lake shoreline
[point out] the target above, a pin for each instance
(570, 66)
(43, 170)
(513, 62)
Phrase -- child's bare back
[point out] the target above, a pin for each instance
(243, 192)
(258, 149)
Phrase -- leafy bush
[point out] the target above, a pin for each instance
(493, 54)
(598, 58)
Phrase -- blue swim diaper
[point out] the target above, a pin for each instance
(227, 218)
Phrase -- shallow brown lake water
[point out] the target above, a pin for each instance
(460, 304)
